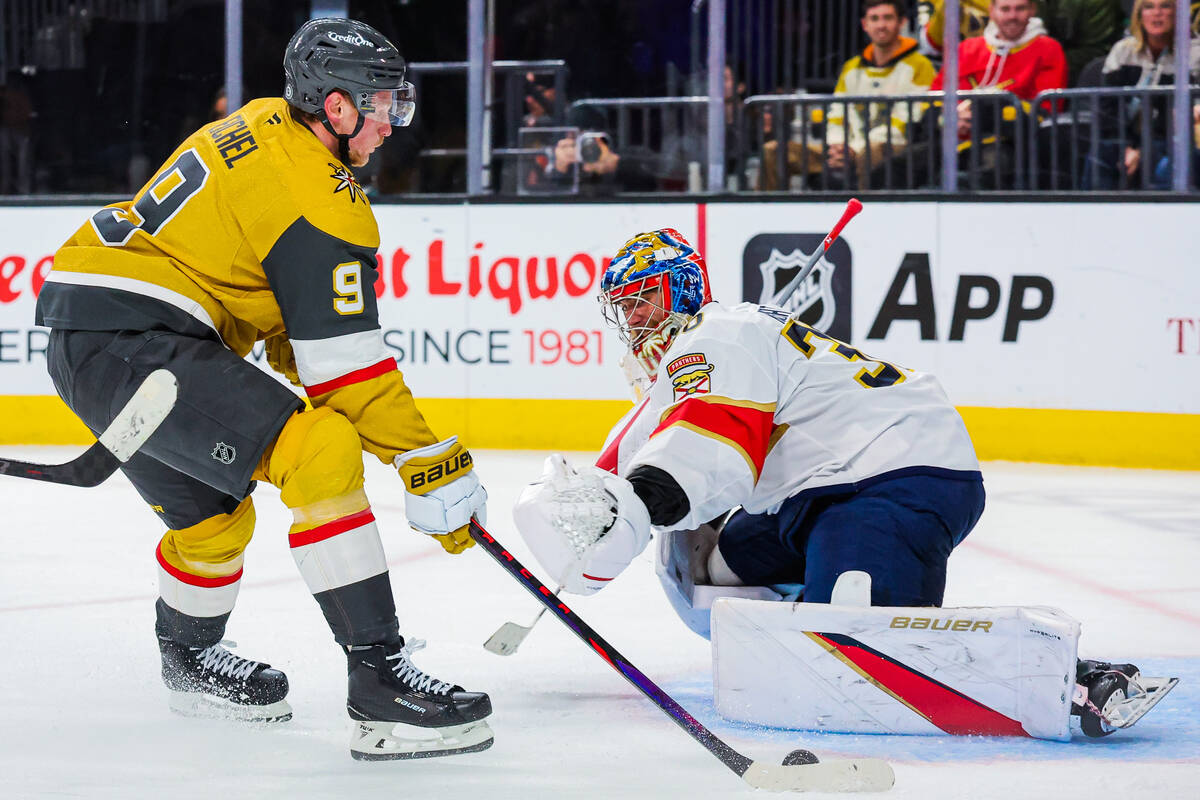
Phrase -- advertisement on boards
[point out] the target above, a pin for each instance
(475, 301)
(1054, 306)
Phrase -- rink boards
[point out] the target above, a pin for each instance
(1065, 332)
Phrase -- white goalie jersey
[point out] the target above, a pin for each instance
(750, 407)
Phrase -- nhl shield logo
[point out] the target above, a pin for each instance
(822, 300)
(224, 453)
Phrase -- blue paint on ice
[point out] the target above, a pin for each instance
(1169, 732)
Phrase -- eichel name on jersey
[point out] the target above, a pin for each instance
(750, 408)
(252, 231)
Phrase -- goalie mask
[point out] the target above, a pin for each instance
(652, 287)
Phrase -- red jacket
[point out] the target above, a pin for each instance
(1024, 70)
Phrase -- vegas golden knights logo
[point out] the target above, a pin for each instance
(346, 183)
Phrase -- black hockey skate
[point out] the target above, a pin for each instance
(400, 712)
(1111, 696)
(215, 683)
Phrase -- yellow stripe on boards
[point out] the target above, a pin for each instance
(37, 419)
(1092, 438)
(1056, 436)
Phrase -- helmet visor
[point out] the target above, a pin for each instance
(393, 106)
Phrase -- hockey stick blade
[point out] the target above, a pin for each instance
(839, 775)
(851, 211)
(129, 430)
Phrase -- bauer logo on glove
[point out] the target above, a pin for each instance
(421, 479)
(442, 492)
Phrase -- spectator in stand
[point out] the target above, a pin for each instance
(1085, 28)
(601, 170)
(1145, 57)
(889, 65)
(1013, 55)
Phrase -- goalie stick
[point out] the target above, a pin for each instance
(128, 431)
(508, 637)
(852, 209)
(800, 771)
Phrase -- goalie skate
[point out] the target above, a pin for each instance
(399, 712)
(1113, 696)
(213, 683)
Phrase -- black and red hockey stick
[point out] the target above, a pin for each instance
(132, 426)
(801, 771)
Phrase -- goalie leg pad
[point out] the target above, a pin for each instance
(985, 671)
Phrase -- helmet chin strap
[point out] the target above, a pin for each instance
(343, 139)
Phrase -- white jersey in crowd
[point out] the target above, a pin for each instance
(749, 408)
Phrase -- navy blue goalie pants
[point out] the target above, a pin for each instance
(900, 531)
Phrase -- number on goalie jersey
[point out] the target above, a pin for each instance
(834, 460)
(255, 229)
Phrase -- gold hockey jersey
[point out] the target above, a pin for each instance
(252, 230)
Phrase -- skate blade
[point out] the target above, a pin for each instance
(205, 706)
(1134, 708)
(388, 741)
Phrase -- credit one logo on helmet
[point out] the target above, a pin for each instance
(822, 300)
(351, 38)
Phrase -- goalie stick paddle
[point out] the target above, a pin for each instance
(852, 209)
(508, 637)
(840, 775)
(128, 431)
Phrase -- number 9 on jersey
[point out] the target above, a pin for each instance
(347, 284)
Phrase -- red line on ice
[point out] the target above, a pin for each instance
(146, 598)
(1129, 597)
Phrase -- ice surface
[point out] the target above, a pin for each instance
(83, 713)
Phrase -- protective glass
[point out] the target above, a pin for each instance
(393, 106)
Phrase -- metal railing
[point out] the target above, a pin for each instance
(1083, 146)
(512, 78)
(666, 134)
(807, 142)
(785, 45)
(50, 33)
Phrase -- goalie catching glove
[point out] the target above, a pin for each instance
(442, 492)
(584, 526)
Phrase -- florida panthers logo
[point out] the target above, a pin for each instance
(690, 375)
(346, 183)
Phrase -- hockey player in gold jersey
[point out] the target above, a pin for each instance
(255, 229)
